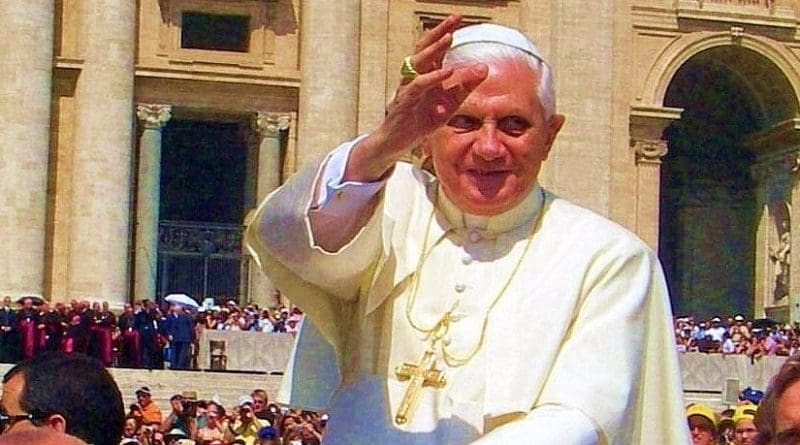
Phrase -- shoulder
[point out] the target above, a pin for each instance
(579, 226)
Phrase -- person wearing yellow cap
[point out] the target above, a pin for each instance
(745, 431)
(703, 423)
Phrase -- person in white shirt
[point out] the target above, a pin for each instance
(471, 306)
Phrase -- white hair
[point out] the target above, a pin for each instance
(488, 52)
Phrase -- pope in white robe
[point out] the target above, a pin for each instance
(533, 320)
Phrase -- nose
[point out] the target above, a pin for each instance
(488, 145)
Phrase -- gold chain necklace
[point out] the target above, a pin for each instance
(439, 330)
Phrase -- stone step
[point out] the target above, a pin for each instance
(226, 386)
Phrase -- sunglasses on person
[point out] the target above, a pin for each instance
(9, 420)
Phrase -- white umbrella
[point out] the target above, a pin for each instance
(183, 300)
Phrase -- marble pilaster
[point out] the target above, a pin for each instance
(648, 154)
(647, 126)
(329, 61)
(99, 235)
(152, 117)
(26, 72)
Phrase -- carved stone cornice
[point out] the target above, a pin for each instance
(649, 151)
(269, 125)
(154, 116)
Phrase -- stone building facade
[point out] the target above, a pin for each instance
(682, 125)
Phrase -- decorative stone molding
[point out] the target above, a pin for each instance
(271, 124)
(204, 239)
(736, 34)
(154, 116)
(649, 151)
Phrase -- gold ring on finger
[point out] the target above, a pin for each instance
(407, 70)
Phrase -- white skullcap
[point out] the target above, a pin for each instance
(492, 33)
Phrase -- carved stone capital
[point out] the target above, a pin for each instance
(269, 125)
(649, 150)
(154, 116)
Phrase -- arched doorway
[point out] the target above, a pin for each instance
(714, 202)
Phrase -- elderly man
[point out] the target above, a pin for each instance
(469, 306)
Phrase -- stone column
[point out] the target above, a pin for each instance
(329, 60)
(648, 187)
(26, 72)
(153, 118)
(100, 215)
(269, 127)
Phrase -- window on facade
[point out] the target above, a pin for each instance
(220, 32)
(428, 22)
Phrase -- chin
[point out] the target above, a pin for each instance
(485, 206)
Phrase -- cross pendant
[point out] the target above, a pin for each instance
(423, 373)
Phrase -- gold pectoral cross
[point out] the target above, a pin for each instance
(423, 373)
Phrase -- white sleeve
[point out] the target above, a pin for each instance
(548, 424)
(337, 197)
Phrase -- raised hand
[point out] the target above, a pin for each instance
(421, 105)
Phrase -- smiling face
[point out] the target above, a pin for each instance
(487, 157)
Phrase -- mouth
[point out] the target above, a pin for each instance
(488, 173)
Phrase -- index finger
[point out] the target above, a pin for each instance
(432, 36)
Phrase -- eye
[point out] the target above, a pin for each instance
(513, 125)
(462, 123)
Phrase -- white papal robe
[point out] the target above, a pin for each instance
(578, 349)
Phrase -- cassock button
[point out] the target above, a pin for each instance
(466, 259)
(474, 237)
(460, 287)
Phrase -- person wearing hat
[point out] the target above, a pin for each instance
(151, 414)
(703, 422)
(412, 275)
(247, 425)
(751, 396)
(744, 429)
(268, 436)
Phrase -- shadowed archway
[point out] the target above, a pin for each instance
(710, 204)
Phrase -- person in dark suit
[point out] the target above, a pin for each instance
(51, 328)
(180, 332)
(146, 322)
(129, 341)
(8, 336)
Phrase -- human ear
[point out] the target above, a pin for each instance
(56, 422)
(554, 125)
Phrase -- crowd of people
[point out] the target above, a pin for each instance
(84, 405)
(736, 335)
(144, 335)
(189, 421)
(735, 426)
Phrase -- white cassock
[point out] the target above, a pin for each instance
(578, 348)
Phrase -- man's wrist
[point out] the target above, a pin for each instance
(371, 159)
